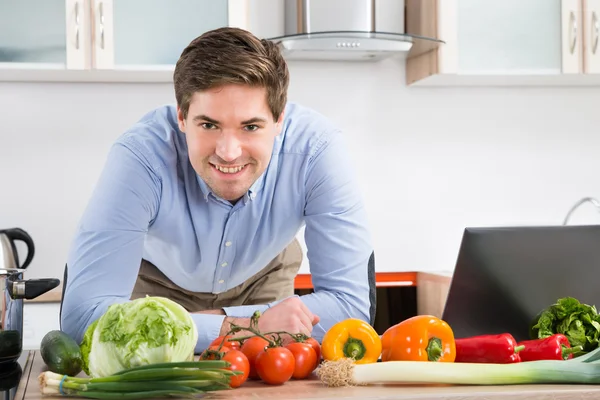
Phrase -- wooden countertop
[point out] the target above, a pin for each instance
(313, 389)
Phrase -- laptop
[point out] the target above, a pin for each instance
(504, 276)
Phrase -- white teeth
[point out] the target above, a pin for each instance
(230, 170)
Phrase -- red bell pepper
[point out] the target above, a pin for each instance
(497, 349)
(555, 347)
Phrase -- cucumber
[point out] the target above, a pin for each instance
(61, 353)
(10, 345)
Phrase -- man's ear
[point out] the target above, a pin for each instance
(279, 123)
(180, 119)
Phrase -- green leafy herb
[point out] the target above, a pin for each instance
(579, 322)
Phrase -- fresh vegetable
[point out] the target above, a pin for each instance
(172, 379)
(275, 365)
(251, 348)
(580, 323)
(144, 331)
(580, 370)
(315, 345)
(555, 347)
(353, 338)
(419, 338)
(500, 349)
(232, 344)
(61, 353)
(11, 345)
(237, 360)
(305, 359)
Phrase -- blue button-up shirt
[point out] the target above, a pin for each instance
(150, 203)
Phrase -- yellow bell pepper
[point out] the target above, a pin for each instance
(351, 338)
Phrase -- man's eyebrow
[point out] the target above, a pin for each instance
(253, 120)
(203, 117)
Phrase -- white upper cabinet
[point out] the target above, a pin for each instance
(142, 34)
(505, 42)
(43, 34)
(105, 40)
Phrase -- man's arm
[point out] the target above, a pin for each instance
(105, 255)
(337, 238)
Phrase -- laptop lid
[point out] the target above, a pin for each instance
(505, 276)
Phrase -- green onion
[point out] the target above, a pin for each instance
(181, 379)
(581, 370)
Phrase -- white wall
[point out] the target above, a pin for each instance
(430, 161)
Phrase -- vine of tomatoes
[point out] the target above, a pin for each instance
(263, 356)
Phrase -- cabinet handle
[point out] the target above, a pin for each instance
(573, 26)
(77, 25)
(595, 32)
(101, 18)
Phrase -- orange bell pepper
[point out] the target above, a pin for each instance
(419, 338)
(351, 338)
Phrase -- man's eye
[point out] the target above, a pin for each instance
(208, 125)
(251, 128)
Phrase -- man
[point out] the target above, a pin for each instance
(202, 203)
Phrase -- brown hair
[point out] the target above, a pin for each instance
(231, 55)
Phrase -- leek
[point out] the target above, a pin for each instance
(181, 379)
(580, 370)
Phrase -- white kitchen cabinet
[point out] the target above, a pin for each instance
(105, 40)
(522, 42)
(42, 34)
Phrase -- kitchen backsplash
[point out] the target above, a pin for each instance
(430, 161)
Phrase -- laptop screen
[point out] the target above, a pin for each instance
(505, 276)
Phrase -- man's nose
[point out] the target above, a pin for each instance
(228, 147)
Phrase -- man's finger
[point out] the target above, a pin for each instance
(316, 319)
(306, 322)
(307, 311)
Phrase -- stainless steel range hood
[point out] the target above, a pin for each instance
(348, 30)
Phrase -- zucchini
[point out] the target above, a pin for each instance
(11, 345)
(61, 353)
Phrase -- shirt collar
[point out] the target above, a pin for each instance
(256, 187)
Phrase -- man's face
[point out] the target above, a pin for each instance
(230, 133)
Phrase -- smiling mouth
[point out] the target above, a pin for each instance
(229, 170)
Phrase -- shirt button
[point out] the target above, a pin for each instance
(224, 264)
(221, 281)
(227, 244)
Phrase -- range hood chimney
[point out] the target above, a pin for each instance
(348, 30)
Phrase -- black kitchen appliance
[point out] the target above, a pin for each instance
(14, 289)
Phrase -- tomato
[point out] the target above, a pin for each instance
(305, 359)
(209, 354)
(239, 362)
(234, 345)
(251, 348)
(316, 347)
(275, 365)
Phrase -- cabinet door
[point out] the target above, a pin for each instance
(511, 37)
(44, 34)
(142, 34)
(591, 29)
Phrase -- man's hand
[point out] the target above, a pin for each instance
(291, 315)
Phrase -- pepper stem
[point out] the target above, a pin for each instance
(434, 349)
(519, 348)
(354, 348)
(567, 351)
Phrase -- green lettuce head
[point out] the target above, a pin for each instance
(144, 331)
